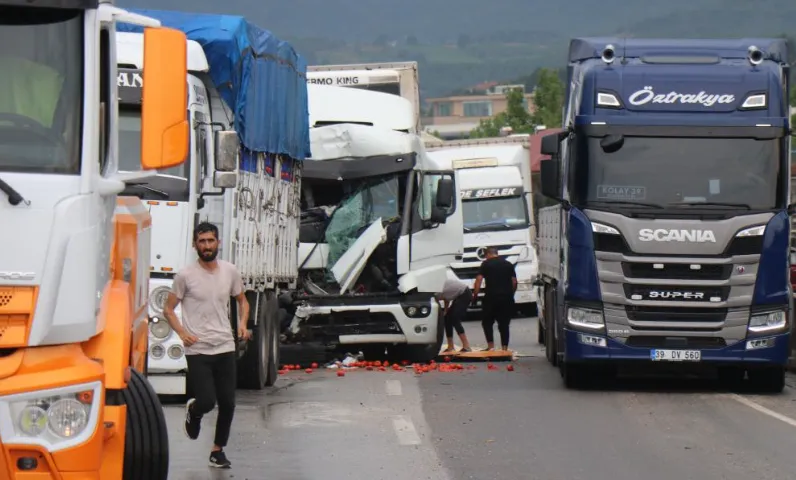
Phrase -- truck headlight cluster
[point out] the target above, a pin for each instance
(416, 311)
(766, 322)
(585, 318)
(55, 419)
(159, 328)
(157, 299)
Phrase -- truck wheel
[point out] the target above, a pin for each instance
(767, 380)
(574, 375)
(272, 316)
(253, 366)
(539, 332)
(146, 439)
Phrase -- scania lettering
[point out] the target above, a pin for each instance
(670, 234)
(399, 78)
(74, 401)
(662, 235)
(226, 162)
(497, 202)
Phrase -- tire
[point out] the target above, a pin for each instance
(426, 353)
(731, 378)
(767, 380)
(253, 366)
(529, 309)
(551, 348)
(575, 376)
(539, 332)
(272, 321)
(146, 439)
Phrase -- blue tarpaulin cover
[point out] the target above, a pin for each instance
(261, 78)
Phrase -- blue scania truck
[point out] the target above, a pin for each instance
(668, 244)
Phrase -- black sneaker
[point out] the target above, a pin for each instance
(192, 424)
(219, 460)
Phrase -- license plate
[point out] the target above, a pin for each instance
(659, 355)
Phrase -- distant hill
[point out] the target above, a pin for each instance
(458, 43)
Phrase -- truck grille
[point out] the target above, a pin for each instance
(676, 293)
(656, 341)
(675, 314)
(738, 246)
(676, 271)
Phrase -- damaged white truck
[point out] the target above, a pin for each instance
(381, 223)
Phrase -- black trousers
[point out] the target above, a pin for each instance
(457, 310)
(499, 310)
(213, 379)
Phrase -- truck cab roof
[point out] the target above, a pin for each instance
(130, 51)
(332, 105)
(667, 82)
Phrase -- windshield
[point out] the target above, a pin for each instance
(378, 199)
(666, 171)
(489, 214)
(130, 145)
(41, 85)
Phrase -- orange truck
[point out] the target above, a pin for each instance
(74, 256)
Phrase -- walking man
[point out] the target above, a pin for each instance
(204, 289)
(457, 296)
(498, 304)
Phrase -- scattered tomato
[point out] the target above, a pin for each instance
(309, 370)
(340, 373)
(510, 367)
(314, 365)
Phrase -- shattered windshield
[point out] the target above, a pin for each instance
(377, 199)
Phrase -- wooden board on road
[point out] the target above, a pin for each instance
(478, 356)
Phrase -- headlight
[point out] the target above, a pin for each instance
(157, 351)
(159, 328)
(416, 311)
(585, 318)
(175, 352)
(157, 299)
(55, 419)
(766, 322)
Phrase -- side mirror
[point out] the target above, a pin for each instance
(549, 175)
(445, 194)
(438, 215)
(550, 144)
(226, 150)
(164, 122)
(225, 179)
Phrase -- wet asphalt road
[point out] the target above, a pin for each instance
(484, 425)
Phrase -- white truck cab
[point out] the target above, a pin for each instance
(381, 222)
(497, 204)
(171, 197)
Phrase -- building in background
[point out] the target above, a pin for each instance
(455, 116)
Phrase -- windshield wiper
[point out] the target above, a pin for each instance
(14, 197)
(148, 188)
(626, 202)
(719, 204)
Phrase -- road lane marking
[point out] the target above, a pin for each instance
(756, 406)
(393, 387)
(405, 430)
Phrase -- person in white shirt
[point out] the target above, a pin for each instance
(457, 297)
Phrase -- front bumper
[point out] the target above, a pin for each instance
(43, 374)
(582, 347)
(361, 322)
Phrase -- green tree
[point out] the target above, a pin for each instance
(548, 99)
(516, 117)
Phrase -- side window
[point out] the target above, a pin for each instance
(428, 194)
(105, 84)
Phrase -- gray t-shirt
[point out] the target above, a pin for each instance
(453, 288)
(205, 305)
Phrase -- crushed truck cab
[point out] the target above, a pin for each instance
(74, 275)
